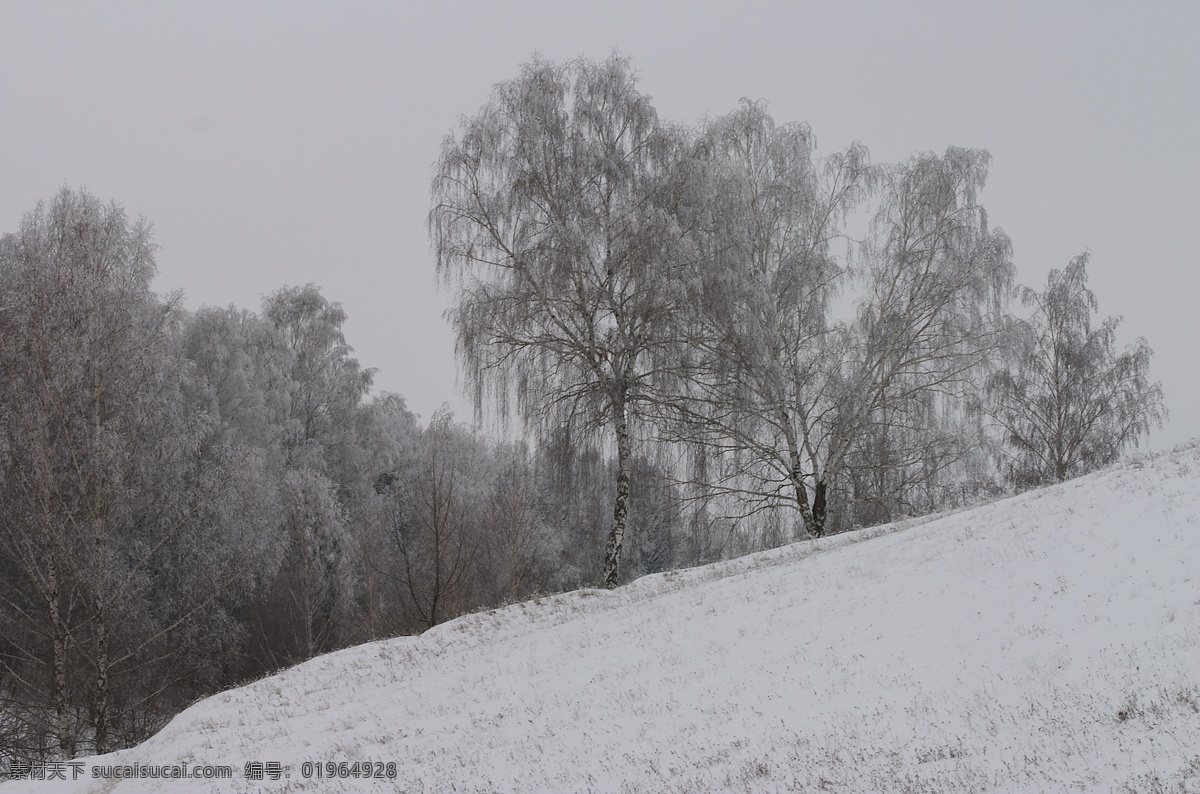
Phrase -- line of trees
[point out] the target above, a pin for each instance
(192, 499)
(676, 291)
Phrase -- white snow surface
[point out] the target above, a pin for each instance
(1046, 642)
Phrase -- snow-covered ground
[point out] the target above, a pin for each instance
(1047, 642)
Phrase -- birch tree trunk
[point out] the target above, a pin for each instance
(616, 535)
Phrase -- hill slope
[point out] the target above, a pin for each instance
(1044, 642)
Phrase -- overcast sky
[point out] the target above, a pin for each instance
(283, 143)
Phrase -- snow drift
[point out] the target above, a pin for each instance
(1049, 641)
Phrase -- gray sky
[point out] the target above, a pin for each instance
(282, 143)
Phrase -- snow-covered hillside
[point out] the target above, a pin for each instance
(1046, 642)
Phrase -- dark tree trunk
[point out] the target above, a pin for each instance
(814, 515)
(819, 510)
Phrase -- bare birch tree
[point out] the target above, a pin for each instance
(764, 352)
(936, 279)
(1066, 401)
(552, 216)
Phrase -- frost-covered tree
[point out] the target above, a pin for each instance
(242, 377)
(1066, 401)
(761, 351)
(936, 279)
(82, 334)
(295, 372)
(327, 383)
(553, 216)
(793, 397)
(314, 584)
(116, 577)
(390, 457)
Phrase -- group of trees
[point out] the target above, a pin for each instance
(190, 499)
(677, 290)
